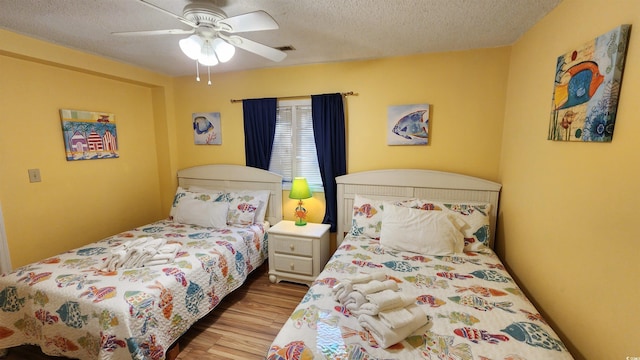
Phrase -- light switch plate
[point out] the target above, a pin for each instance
(34, 175)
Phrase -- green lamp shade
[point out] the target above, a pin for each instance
(299, 189)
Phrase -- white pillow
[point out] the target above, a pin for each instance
(419, 231)
(202, 213)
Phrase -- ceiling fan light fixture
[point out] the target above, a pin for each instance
(192, 46)
(224, 50)
(208, 55)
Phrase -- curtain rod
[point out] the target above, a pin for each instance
(298, 96)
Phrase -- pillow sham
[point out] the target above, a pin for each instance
(476, 217)
(182, 194)
(203, 213)
(367, 217)
(421, 232)
(262, 196)
(242, 208)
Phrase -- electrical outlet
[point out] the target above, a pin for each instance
(34, 175)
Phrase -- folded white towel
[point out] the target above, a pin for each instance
(397, 317)
(354, 300)
(374, 286)
(345, 286)
(383, 300)
(165, 254)
(134, 253)
(386, 336)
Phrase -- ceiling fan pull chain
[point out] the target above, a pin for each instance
(197, 71)
(209, 73)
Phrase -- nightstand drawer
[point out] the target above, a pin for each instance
(293, 264)
(291, 245)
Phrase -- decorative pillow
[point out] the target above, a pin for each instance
(202, 189)
(242, 208)
(202, 213)
(476, 217)
(367, 217)
(421, 232)
(181, 194)
(260, 195)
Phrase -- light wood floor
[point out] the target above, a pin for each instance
(242, 326)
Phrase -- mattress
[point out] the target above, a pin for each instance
(70, 306)
(475, 310)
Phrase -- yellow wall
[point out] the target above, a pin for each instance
(79, 201)
(568, 210)
(466, 91)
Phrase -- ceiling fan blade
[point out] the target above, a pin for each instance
(253, 21)
(178, 17)
(256, 48)
(155, 32)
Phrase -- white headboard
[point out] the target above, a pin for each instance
(395, 184)
(237, 177)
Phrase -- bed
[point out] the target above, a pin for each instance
(81, 304)
(460, 306)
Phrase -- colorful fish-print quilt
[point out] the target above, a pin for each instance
(70, 307)
(475, 308)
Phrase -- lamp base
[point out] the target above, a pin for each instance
(300, 222)
(301, 214)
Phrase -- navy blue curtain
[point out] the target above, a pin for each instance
(259, 130)
(327, 111)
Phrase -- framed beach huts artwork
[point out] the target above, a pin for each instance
(408, 124)
(89, 135)
(587, 88)
(206, 128)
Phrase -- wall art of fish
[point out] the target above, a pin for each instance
(534, 335)
(70, 315)
(476, 335)
(9, 300)
(413, 125)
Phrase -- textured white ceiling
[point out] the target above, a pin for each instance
(320, 30)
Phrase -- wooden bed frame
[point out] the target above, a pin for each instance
(237, 177)
(393, 184)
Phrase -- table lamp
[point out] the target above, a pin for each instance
(300, 190)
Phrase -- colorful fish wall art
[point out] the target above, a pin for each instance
(206, 128)
(408, 124)
(587, 87)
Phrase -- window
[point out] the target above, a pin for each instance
(294, 147)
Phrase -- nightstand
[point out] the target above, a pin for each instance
(297, 253)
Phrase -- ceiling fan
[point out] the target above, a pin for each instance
(213, 35)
